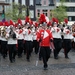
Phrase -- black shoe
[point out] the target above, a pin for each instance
(19, 56)
(46, 67)
(55, 57)
(11, 61)
(28, 60)
(3, 56)
(40, 59)
(66, 57)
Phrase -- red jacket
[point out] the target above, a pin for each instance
(44, 36)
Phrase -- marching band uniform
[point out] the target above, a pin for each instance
(28, 42)
(12, 41)
(35, 42)
(20, 42)
(0, 42)
(56, 32)
(67, 41)
(44, 36)
(4, 43)
(73, 33)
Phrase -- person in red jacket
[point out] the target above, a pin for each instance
(45, 37)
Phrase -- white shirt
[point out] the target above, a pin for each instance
(20, 35)
(56, 32)
(67, 35)
(28, 36)
(11, 40)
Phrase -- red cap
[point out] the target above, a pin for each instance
(19, 21)
(66, 20)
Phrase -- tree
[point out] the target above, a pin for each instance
(15, 13)
(60, 12)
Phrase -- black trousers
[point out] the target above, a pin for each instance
(12, 51)
(29, 48)
(4, 48)
(57, 45)
(74, 45)
(0, 47)
(20, 47)
(36, 46)
(45, 53)
(24, 46)
(67, 46)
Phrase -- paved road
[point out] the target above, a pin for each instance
(61, 66)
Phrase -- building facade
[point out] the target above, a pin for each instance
(4, 4)
(45, 7)
(27, 3)
(70, 4)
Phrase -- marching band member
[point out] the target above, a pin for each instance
(28, 39)
(67, 40)
(73, 33)
(44, 37)
(0, 37)
(4, 42)
(20, 42)
(56, 32)
(12, 41)
(20, 38)
(35, 42)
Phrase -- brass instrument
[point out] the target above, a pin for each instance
(12, 34)
(3, 31)
(73, 29)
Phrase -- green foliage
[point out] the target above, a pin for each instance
(14, 13)
(60, 12)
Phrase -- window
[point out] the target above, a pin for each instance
(70, 0)
(7, 0)
(71, 18)
(38, 10)
(38, 14)
(32, 13)
(45, 12)
(0, 8)
(16, 1)
(31, 2)
(44, 2)
(58, 0)
(23, 2)
(51, 2)
(2, 0)
(71, 9)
